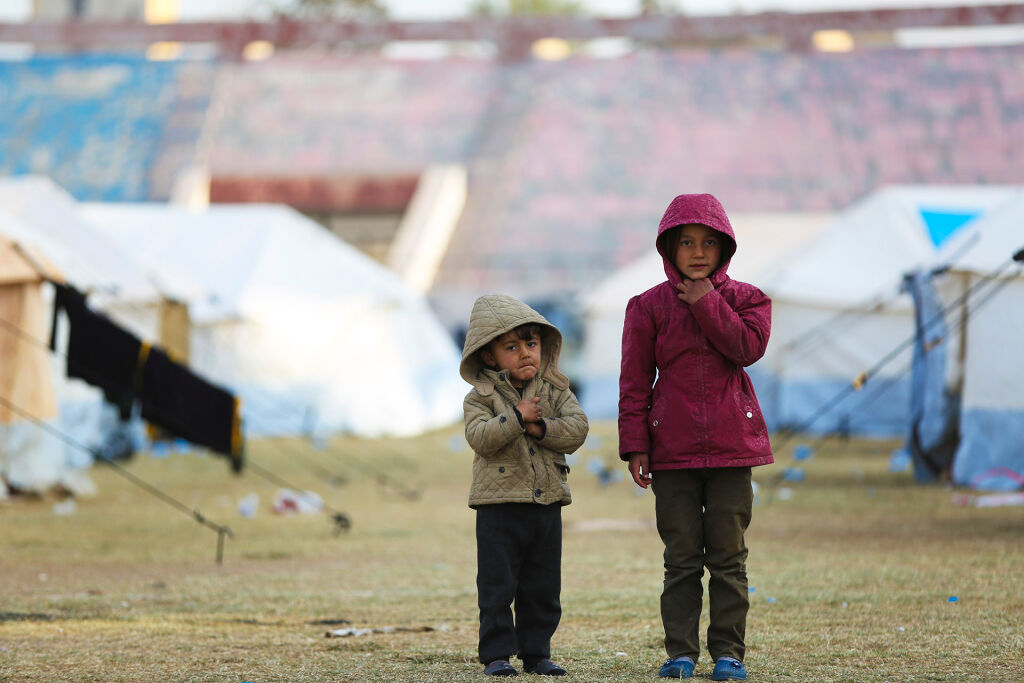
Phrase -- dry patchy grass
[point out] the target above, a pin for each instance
(851, 576)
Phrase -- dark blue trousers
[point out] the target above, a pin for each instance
(519, 559)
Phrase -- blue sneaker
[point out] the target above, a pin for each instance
(680, 667)
(729, 669)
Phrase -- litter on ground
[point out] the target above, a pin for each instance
(990, 500)
(354, 632)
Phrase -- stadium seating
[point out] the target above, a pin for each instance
(570, 163)
(104, 127)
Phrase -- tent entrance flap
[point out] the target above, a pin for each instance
(934, 399)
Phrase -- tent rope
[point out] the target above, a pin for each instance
(858, 383)
(961, 312)
(382, 478)
(953, 325)
(800, 347)
(23, 334)
(221, 529)
(340, 519)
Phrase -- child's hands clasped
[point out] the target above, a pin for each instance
(532, 415)
(691, 290)
(529, 408)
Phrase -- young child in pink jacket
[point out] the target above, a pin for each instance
(691, 427)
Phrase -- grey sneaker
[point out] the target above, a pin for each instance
(500, 667)
(544, 667)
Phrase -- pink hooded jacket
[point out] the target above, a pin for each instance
(702, 411)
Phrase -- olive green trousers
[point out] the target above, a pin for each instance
(702, 515)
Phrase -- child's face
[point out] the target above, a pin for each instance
(520, 357)
(700, 250)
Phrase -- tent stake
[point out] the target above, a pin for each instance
(220, 544)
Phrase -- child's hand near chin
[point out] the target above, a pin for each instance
(691, 290)
(529, 408)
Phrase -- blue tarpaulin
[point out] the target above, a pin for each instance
(934, 409)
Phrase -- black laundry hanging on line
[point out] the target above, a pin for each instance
(172, 396)
(185, 404)
(99, 351)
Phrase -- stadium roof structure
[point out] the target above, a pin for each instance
(513, 36)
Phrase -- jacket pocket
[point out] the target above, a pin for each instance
(500, 470)
(563, 478)
(656, 416)
(754, 428)
(497, 476)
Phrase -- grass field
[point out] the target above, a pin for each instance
(852, 575)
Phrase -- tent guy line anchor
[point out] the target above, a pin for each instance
(340, 520)
(221, 529)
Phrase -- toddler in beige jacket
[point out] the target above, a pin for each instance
(521, 421)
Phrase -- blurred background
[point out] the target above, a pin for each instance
(300, 199)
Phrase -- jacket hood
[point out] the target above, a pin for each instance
(495, 314)
(697, 208)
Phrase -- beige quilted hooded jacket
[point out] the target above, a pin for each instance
(509, 466)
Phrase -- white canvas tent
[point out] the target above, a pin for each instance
(839, 309)
(763, 239)
(50, 218)
(313, 335)
(984, 295)
(26, 385)
(36, 212)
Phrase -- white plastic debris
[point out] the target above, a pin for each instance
(991, 500)
(248, 505)
(79, 484)
(355, 632)
(348, 632)
(65, 508)
(288, 502)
